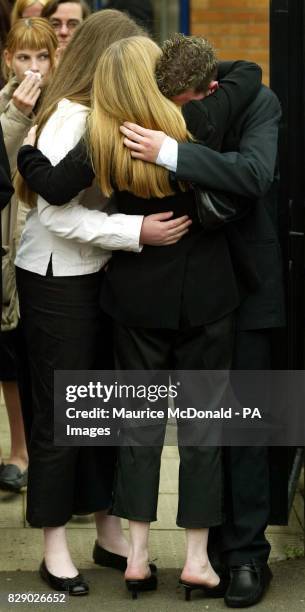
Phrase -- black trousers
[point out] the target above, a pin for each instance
(241, 538)
(64, 329)
(200, 475)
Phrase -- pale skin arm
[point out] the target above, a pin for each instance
(158, 229)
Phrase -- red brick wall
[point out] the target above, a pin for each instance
(239, 29)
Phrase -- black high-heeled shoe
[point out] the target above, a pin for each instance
(74, 586)
(213, 592)
(137, 585)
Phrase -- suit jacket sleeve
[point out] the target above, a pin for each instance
(239, 85)
(248, 172)
(53, 183)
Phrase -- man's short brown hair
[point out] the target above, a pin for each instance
(51, 7)
(187, 62)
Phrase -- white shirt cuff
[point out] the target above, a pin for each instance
(133, 226)
(168, 154)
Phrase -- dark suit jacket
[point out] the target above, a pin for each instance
(249, 169)
(6, 192)
(187, 284)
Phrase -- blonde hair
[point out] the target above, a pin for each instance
(20, 6)
(32, 33)
(74, 75)
(125, 89)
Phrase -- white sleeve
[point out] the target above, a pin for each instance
(168, 154)
(74, 221)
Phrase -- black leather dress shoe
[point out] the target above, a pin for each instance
(248, 584)
(73, 586)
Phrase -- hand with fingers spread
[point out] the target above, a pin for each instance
(143, 143)
(160, 230)
(27, 94)
(30, 138)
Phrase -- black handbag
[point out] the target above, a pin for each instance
(215, 208)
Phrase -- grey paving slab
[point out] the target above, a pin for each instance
(170, 451)
(11, 510)
(284, 546)
(169, 474)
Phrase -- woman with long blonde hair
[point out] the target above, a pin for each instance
(59, 266)
(172, 308)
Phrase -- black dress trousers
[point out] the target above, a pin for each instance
(64, 329)
(208, 347)
(241, 538)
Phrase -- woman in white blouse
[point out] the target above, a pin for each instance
(59, 266)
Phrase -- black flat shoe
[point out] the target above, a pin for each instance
(136, 586)
(105, 558)
(213, 592)
(12, 478)
(248, 584)
(74, 586)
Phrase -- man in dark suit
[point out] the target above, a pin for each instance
(247, 168)
(6, 192)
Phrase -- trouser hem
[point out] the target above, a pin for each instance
(198, 524)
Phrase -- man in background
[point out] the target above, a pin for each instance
(65, 16)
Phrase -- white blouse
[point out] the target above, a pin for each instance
(78, 235)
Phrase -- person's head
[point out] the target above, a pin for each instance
(125, 89)
(74, 75)
(27, 8)
(65, 16)
(30, 45)
(186, 68)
